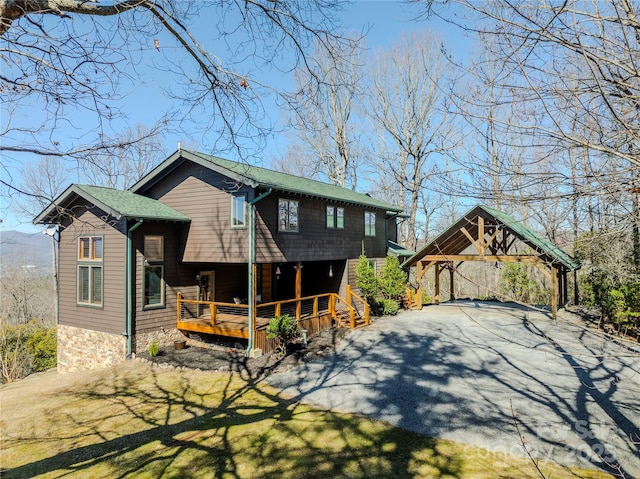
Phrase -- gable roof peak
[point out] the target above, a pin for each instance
(260, 177)
(117, 203)
(451, 241)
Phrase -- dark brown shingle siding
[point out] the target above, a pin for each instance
(111, 317)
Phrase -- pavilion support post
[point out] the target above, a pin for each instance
(436, 298)
(554, 292)
(452, 293)
(565, 288)
(419, 276)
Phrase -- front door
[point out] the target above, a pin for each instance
(206, 286)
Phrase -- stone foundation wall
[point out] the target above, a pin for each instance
(164, 336)
(80, 349)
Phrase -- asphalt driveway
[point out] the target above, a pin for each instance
(466, 370)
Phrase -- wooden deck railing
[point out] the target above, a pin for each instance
(299, 308)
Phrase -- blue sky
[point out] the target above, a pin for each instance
(384, 22)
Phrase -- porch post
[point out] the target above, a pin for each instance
(298, 290)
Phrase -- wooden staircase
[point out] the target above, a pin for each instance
(343, 319)
(409, 301)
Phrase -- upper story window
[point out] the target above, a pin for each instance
(369, 223)
(238, 211)
(335, 217)
(89, 273)
(287, 215)
(90, 248)
(153, 290)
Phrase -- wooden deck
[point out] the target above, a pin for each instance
(232, 320)
(230, 325)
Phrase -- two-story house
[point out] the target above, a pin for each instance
(202, 244)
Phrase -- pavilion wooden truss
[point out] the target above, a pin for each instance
(486, 234)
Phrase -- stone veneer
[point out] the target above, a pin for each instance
(80, 349)
(164, 336)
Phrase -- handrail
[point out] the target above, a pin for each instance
(360, 300)
(413, 300)
(314, 308)
(293, 300)
(352, 310)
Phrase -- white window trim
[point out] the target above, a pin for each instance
(244, 204)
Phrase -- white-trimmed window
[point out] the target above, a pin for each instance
(89, 273)
(238, 211)
(335, 217)
(287, 215)
(153, 289)
(369, 223)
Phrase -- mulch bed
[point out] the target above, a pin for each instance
(216, 354)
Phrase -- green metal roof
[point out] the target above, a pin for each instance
(534, 238)
(117, 203)
(395, 249)
(452, 241)
(256, 176)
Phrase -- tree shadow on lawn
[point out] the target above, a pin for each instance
(453, 383)
(143, 420)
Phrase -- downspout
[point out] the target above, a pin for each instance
(252, 260)
(129, 288)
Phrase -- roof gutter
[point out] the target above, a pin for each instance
(252, 260)
(129, 288)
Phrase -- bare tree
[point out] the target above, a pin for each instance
(569, 73)
(44, 179)
(70, 63)
(121, 167)
(407, 110)
(296, 161)
(25, 294)
(587, 53)
(323, 112)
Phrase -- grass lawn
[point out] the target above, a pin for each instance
(139, 421)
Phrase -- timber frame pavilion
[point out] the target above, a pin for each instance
(486, 234)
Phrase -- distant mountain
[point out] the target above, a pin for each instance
(28, 250)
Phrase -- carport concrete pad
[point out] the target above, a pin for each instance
(464, 370)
